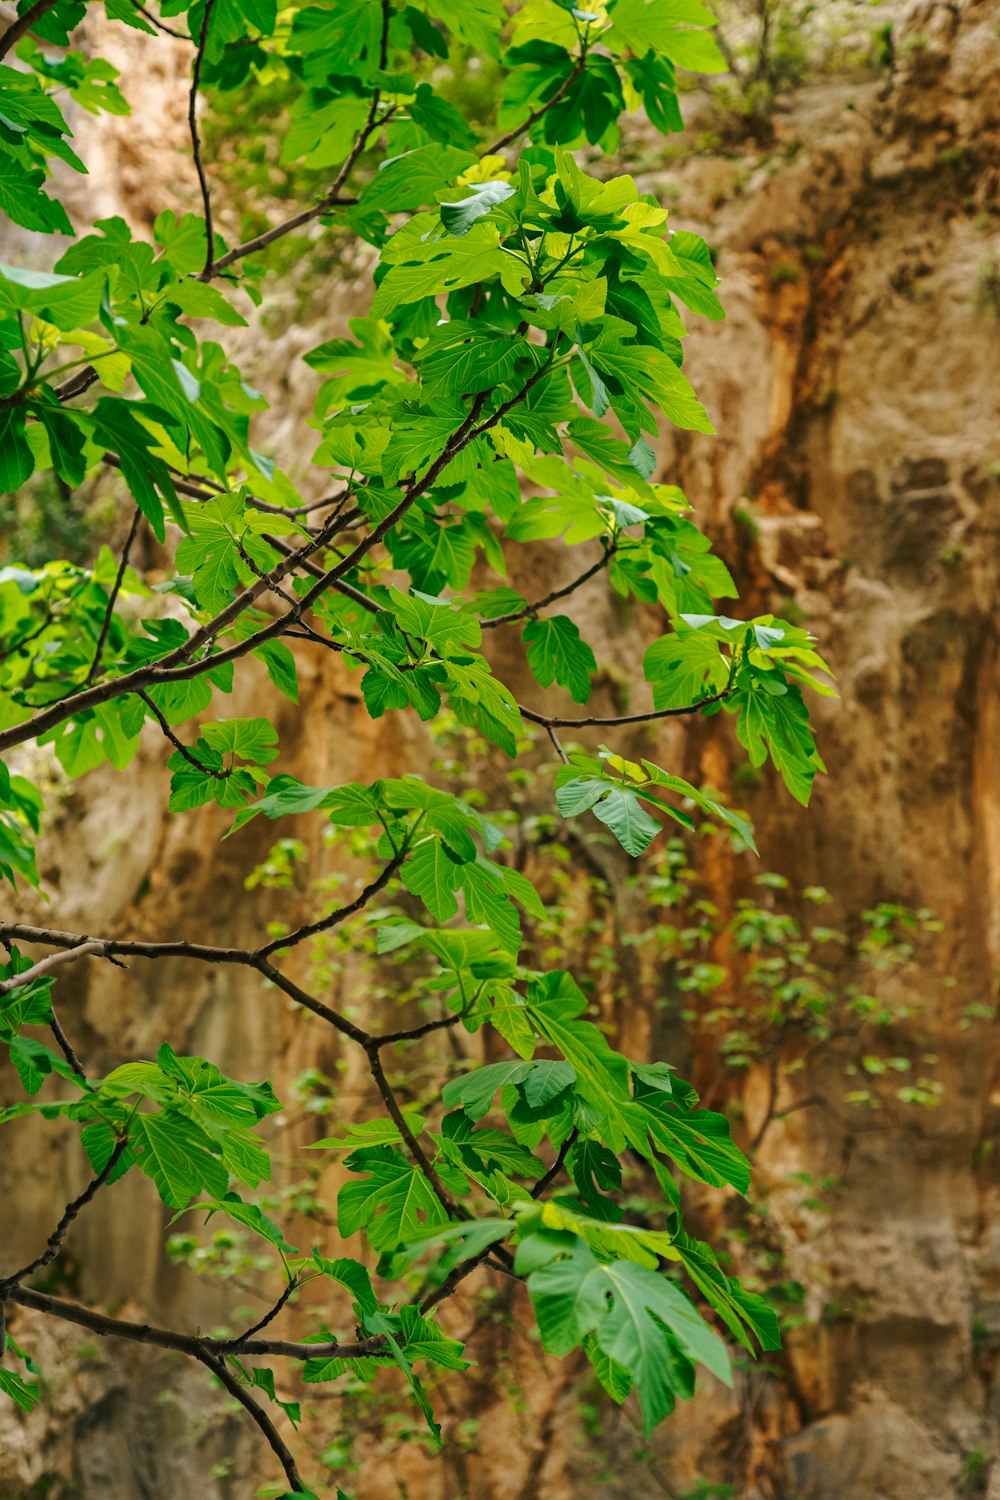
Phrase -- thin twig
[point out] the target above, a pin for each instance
(178, 745)
(551, 722)
(206, 196)
(452, 1209)
(181, 36)
(557, 744)
(340, 915)
(389, 1038)
(545, 1182)
(233, 1346)
(113, 596)
(272, 1436)
(64, 1045)
(69, 1214)
(332, 198)
(569, 588)
(536, 114)
(49, 962)
(23, 25)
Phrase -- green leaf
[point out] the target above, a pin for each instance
(22, 1391)
(350, 1274)
(617, 807)
(412, 180)
(16, 461)
(432, 873)
(684, 669)
(742, 1312)
(542, 1082)
(67, 301)
(458, 218)
(250, 1216)
(556, 653)
(394, 1202)
(641, 1321)
(178, 1157)
(255, 740)
(779, 726)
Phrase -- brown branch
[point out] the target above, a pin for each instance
(340, 915)
(113, 596)
(550, 1176)
(64, 1045)
(58, 1234)
(548, 722)
(160, 25)
(23, 25)
(261, 241)
(166, 671)
(452, 1209)
(569, 588)
(332, 198)
(178, 745)
(389, 1038)
(206, 196)
(557, 744)
(234, 1346)
(79, 950)
(108, 948)
(272, 1436)
(543, 109)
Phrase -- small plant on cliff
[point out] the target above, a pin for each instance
(523, 339)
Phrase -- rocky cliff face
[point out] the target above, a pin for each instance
(856, 480)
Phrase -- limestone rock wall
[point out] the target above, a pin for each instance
(855, 389)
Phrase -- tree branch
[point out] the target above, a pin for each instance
(272, 1436)
(178, 745)
(79, 950)
(545, 1182)
(166, 671)
(113, 596)
(340, 915)
(452, 1209)
(64, 1045)
(569, 588)
(206, 196)
(555, 722)
(58, 1234)
(160, 25)
(235, 1346)
(23, 25)
(543, 109)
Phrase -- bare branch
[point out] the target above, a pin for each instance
(240, 1393)
(234, 1346)
(543, 109)
(178, 745)
(546, 1182)
(206, 196)
(64, 1045)
(182, 36)
(69, 1214)
(49, 962)
(23, 25)
(389, 1038)
(555, 722)
(113, 596)
(311, 929)
(569, 588)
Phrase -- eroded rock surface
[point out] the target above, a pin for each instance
(856, 480)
